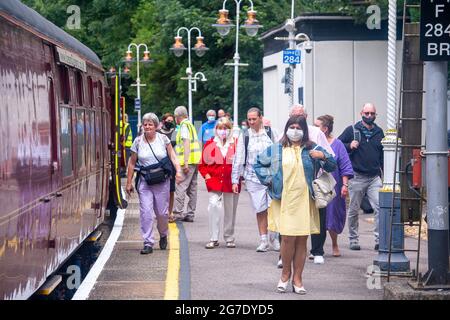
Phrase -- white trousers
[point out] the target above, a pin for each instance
(222, 202)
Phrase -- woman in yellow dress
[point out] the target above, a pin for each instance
(289, 168)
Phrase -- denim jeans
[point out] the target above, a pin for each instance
(358, 186)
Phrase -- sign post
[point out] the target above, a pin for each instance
(435, 50)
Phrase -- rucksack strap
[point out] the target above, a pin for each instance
(247, 138)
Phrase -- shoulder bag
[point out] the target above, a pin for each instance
(323, 187)
(154, 174)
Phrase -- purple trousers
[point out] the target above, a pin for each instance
(153, 202)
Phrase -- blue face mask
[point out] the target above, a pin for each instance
(211, 118)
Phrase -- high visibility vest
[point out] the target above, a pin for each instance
(196, 152)
(128, 134)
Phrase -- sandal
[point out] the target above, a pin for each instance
(212, 244)
(231, 244)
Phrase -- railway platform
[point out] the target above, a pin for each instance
(188, 271)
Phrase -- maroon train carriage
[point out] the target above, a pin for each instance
(55, 129)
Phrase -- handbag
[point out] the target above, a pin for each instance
(154, 175)
(323, 188)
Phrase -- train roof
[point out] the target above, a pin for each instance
(26, 15)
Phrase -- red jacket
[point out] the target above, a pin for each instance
(217, 166)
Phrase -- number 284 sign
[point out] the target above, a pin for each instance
(435, 30)
(291, 56)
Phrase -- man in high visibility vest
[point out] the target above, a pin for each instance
(127, 136)
(189, 154)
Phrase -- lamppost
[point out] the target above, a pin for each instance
(224, 26)
(293, 39)
(200, 49)
(145, 60)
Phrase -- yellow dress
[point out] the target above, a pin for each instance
(295, 214)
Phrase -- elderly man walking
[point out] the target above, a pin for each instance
(318, 137)
(363, 143)
(189, 153)
(207, 129)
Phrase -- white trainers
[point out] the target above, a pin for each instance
(263, 247)
(311, 257)
(275, 244)
(280, 264)
(319, 260)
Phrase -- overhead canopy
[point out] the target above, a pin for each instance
(26, 15)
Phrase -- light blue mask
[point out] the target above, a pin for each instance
(211, 118)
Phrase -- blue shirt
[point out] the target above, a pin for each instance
(206, 132)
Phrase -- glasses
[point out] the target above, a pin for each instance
(369, 113)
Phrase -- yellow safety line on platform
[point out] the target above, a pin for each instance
(173, 267)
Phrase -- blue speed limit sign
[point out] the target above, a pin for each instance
(291, 56)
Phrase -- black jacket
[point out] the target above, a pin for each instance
(367, 159)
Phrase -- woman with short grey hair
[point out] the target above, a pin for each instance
(151, 153)
(151, 117)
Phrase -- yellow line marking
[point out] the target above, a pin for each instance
(173, 266)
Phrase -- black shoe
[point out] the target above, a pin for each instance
(163, 243)
(188, 219)
(377, 246)
(147, 250)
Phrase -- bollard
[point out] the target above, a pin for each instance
(399, 261)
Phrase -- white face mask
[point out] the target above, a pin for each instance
(294, 135)
(223, 133)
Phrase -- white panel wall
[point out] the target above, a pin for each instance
(276, 102)
(271, 95)
(371, 77)
(333, 82)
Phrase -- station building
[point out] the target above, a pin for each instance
(346, 67)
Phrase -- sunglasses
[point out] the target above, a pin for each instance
(369, 113)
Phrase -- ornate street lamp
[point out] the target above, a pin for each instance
(223, 26)
(200, 49)
(145, 60)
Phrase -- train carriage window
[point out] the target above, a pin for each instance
(92, 139)
(100, 94)
(81, 140)
(91, 91)
(64, 83)
(98, 137)
(79, 88)
(66, 141)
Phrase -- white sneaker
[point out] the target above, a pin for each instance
(311, 257)
(263, 247)
(319, 260)
(280, 264)
(275, 244)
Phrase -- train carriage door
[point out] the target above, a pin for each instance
(54, 169)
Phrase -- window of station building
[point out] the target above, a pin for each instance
(64, 84)
(81, 140)
(66, 141)
(79, 87)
